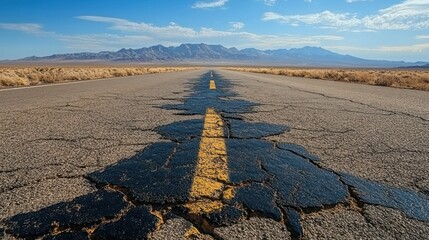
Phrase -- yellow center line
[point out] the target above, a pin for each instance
(208, 187)
(212, 85)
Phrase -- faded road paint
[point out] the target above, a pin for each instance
(208, 187)
(192, 233)
(212, 85)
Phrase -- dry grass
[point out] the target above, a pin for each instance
(24, 76)
(412, 79)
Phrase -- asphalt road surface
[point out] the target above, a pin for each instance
(214, 154)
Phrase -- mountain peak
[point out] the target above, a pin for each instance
(305, 56)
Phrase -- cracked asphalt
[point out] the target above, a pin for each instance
(176, 155)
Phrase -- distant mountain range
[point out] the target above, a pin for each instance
(418, 66)
(218, 54)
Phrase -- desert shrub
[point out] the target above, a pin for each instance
(393, 78)
(12, 79)
(384, 81)
(37, 75)
(388, 80)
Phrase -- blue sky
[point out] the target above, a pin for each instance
(374, 29)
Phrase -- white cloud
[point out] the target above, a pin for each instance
(270, 2)
(329, 37)
(237, 25)
(307, 1)
(325, 18)
(170, 30)
(98, 41)
(129, 34)
(176, 34)
(23, 27)
(383, 49)
(352, 1)
(407, 52)
(410, 14)
(406, 48)
(422, 37)
(213, 4)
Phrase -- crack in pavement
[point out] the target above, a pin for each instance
(136, 195)
(379, 113)
(364, 104)
(80, 143)
(12, 188)
(323, 130)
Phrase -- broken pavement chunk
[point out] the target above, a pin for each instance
(82, 211)
(137, 223)
(413, 204)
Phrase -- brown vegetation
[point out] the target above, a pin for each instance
(23, 76)
(413, 79)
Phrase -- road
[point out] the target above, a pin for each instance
(214, 154)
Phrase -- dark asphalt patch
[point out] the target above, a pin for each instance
(83, 211)
(242, 130)
(413, 204)
(298, 150)
(161, 174)
(227, 216)
(136, 224)
(297, 182)
(223, 99)
(293, 222)
(68, 236)
(265, 179)
(183, 130)
(259, 199)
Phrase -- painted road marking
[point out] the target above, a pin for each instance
(212, 85)
(208, 188)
